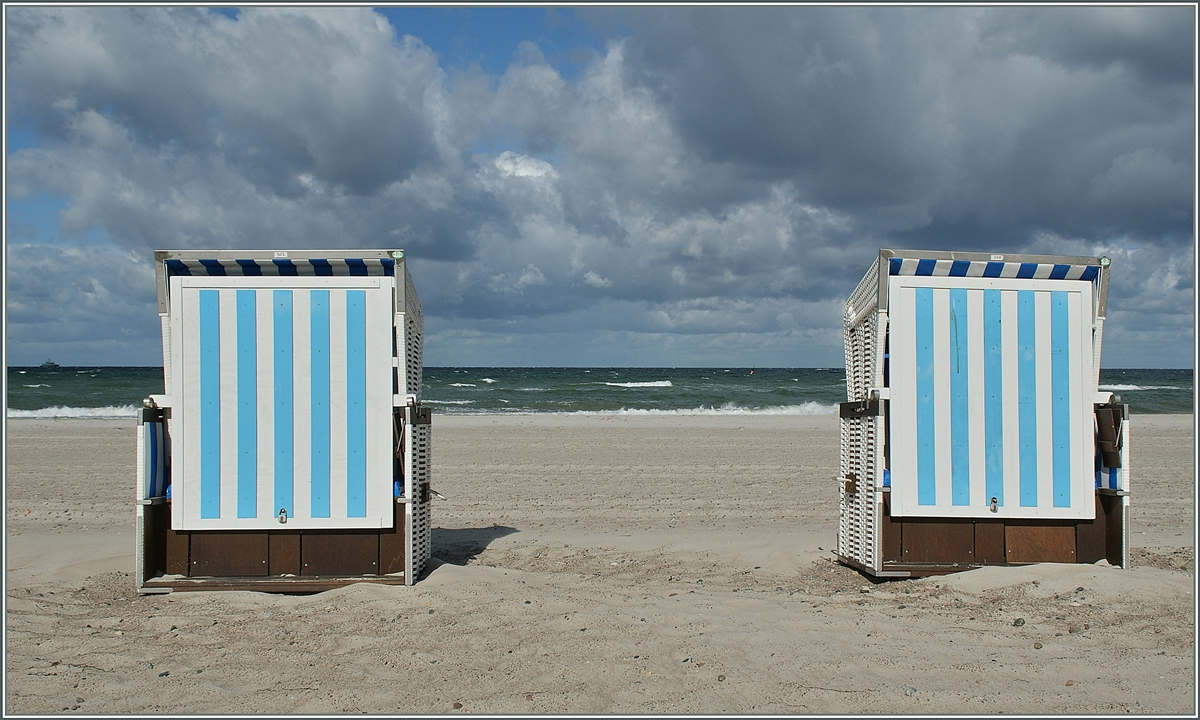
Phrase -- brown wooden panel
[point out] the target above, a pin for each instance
(283, 553)
(228, 553)
(938, 541)
(890, 531)
(1090, 536)
(1114, 528)
(391, 542)
(989, 542)
(1032, 541)
(339, 552)
(177, 546)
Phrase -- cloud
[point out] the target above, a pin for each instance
(591, 278)
(718, 172)
(912, 117)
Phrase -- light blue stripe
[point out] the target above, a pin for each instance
(1027, 395)
(926, 489)
(356, 403)
(284, 480)
(319, 384)
(960, 421)
(210, 405)
(247, 405)
(993, 401)
(1060, 379)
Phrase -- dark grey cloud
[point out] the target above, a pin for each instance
(279, 93)
(712, 184)
(1098, 38)
(1064, 119)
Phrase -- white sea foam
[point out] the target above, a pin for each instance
(462, 384)
(38, 385)
(489, 381)
(122, 411)
(652, 383)
(1140, 387)
(448, 402)
(728, 409)
(808, 408)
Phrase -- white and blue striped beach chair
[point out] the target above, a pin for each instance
(974, 431)
(290, 442)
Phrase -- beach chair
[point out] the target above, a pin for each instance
(290, 450)
(974, 431)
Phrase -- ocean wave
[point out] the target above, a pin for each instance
(651, 383)
(112, 411)
(489, 381)
(808, 408)
(728, 409)
(38, 385)
(462, 384)
(1140, 387)
(447, 402)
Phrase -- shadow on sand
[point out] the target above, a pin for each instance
(459, 546)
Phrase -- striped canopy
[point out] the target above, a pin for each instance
(283, 267)
(991, 269)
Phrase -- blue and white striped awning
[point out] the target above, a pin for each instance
(283, 267)
(991, 269)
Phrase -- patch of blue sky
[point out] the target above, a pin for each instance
(20, 137)
(34, 219)
(229, 12)
(489, 37)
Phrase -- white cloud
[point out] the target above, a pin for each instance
(727, 172)
(591, 278)
(530, 276)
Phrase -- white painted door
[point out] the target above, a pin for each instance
(991, 397)
(284, 390)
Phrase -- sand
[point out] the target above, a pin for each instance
(598, 565)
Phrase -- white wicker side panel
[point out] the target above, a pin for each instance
(412, 356)
(164, 321)
(414, 331)
(865, 295)
(418, 515)
(856, 517)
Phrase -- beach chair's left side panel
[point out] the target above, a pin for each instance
(153, 519)
(861, 476)
(153, 476)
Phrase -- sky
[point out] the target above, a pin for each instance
(590, 186)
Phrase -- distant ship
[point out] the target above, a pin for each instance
(49, 365)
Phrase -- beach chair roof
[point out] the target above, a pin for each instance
(283, 263)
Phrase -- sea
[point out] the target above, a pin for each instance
(117, 392)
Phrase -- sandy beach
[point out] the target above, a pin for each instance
(598, 564)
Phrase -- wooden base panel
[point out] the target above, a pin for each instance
(269, 560)
(916, 547)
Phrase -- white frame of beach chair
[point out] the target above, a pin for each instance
(942, 537)
(404, 522)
